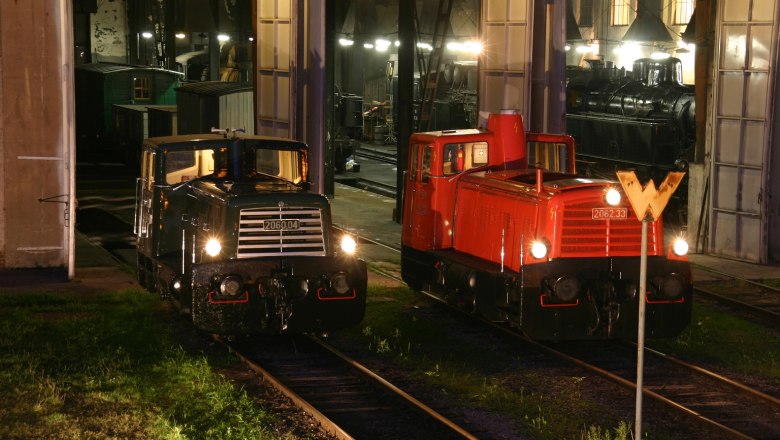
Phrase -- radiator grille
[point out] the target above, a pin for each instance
(255, 240)
(582, 236)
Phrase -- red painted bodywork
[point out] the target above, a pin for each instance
(497, 210)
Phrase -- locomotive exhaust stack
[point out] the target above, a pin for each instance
(539, 247)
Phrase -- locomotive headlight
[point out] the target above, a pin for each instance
(340, 283)
(680, 246)
(230, 286)
(538, 250)
(348, 244)
(213, 247)
(612, 197)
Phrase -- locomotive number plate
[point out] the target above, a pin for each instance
(610, 213)
(281, 225)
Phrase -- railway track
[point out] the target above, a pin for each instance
(376, 159)
(748, 296)
(721, 405)
(716, 402)
(730, 409)
(347, 399)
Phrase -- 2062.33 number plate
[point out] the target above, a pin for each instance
(610, 213)
(280, 225)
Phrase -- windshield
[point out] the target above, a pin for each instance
(264, 162)
(185, 165)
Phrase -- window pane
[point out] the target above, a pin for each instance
(683, 9)
(619, 13)
(142, 88)
(586, 13)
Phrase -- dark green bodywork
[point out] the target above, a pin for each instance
(288, 276)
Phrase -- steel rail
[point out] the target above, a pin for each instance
(694, 415)
(395, 390)
(735, 277)
(723, 379)
(326, 424)
(750, 308)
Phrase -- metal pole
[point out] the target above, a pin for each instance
(640, 354)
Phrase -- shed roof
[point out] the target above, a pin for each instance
(214, 88)
(106, 68)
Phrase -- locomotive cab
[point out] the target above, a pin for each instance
(539, 247)
(229, 229)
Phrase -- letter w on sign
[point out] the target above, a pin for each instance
(647, 198)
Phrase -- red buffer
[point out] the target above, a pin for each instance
(552, 253)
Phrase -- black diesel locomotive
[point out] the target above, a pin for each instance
(230, 229)
(642, 119)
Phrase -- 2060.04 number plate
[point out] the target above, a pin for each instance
(610, 213)
(281, 225)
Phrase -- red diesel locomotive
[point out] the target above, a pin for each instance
(554, 254)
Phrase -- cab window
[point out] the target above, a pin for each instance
(184, 165)
(147, 169)
(464, 156)
(427, 160)
(279, 163)
(414, 164)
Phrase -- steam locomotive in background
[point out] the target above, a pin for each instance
(552, 253)
(644, 119)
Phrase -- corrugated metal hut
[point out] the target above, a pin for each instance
(163, 121)
(101, 85)
(218, 104)
(131, 127)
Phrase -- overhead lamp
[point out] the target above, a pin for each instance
(146, 34)
(180, 35)
(368, 45)
(223, 37)
(683, 47)
(346, 42)
(381, 44)
(472, 47)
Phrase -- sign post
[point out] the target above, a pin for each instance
(648, 204)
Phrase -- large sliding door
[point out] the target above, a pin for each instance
(741, 120)
(505, 66)
(276, 49)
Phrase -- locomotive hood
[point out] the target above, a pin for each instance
(226, 189)
(250, 192)
(551, 182)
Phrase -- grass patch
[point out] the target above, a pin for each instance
(468, 372)
(108, 366)
(728, 341)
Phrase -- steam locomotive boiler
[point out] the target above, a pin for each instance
(551, 253)
(643, 119)
(229, 228)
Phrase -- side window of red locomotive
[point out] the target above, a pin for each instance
(427, 159)
(463, 156)
(415, 162)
